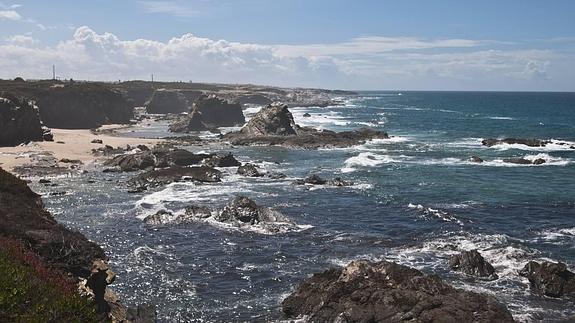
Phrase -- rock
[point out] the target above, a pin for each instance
(159, 217)
(523, 161)
(201, 212)
(167, 101)
(97, 141)
(82, 106)
(47, 134)
(19, 121)
(159, 177)
(142, 314)
(475, 159)
(472, 263)
(192, 213)
(307, 115)
(133, 162)
(242, 209)
(249, 170)
(70, 161)
(316, 180)
(209, 113)
(539, 161)
(515, 141)
(158, 157)
(178, 157)
(550, 279)
(44, 181)
(224, 160)
(273, 120)
(388, 292)
(338, 181)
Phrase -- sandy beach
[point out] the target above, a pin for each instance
(77, 145)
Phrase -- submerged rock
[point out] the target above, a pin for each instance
(550, 279)
(472, 263)
(476, 159)
(388, 292)
(19, 121)
(317, 180)
(249, 170)
(165, 176)
(523, 161)
(513, 141)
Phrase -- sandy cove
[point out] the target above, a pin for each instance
(77, 146)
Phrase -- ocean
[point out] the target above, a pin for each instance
(415, 199)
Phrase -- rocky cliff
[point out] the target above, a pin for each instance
(19, 121)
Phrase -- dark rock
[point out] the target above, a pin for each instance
(195, 211)
(388, 292)
(44, 181)
(165, 176)
(142, 314)
(550, 279)
(475, 159)
(249, 170)
(159, 217)
(82, 106)
(178, 157)
(276, 175)
(70, 161)
(273, 120)
(191, 214)
(209, 113)
(97, 141)
(513, 141)
(314, 180)
(133, 162)
(19, 121)
(307, 115)
(167, 101)
(47, 134)
(338, 181)
(472, 263)
(223, 160)
(539, 161)
(242, 209)
(317, 180)
(523, 161)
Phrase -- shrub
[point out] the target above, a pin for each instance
(32, 292)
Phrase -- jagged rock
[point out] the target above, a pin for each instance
(165, 176)
(249, 170)
(242, 209)
(192, 213)
(476, 159)
(195, 211)
(273, 120)
(19, 121)
(167, 101)
(223, 160)
(307, 115)
(388, 292)
(158, 157)
(550, 279)
(178, 157)
(527, 142)
(209, 113)
(472, 263)
(133, 162)
(82, 106)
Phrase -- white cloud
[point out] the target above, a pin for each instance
(9, 15)
(368, 62)
(22, 40)
(168, 7)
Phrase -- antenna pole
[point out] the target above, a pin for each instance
(53, 72)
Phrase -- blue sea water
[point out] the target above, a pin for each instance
(416, 198)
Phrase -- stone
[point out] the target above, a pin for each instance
(473, 264)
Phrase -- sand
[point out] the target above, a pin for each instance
(77, 146)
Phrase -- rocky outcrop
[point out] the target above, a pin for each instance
(249, 170)
(242, 209)
(160, 177)
(523, 161)
(191, 213)
(550, 279)
(388, 292)
(167, 101)
(317, 180)
(24, 218)
(273, 120)
(512, 141)
(209, 113)
(19, 121)
(222, 160)
(473, 264)
(83, 106)
(274, 125)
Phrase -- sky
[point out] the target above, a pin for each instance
(459, 45)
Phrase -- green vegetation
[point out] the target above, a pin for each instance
(30, 292)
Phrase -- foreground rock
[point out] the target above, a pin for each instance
(473, 264)
(274, 125)
(388, 292)
(550, 279)
(19, 121)
(24, 219)
(209, 113)
(160, 177)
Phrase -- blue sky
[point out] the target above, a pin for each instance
(420, 45)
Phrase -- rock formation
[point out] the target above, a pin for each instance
(550, 279)
(244, 210)
(388, 292)
(159, 177)
(167, 101)
(273, 120)
(19, 121)
(473, 264)
(209, 113)
(512, 141)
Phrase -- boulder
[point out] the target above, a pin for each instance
(19, 121)
(473, 264)
(222, 160)
(133, 162)
(82, 106)
(306, 115)
(387, 292)
(243, 210)
(550, 279)
(167, 101)
(249, 170)
(476, 159)
(160, 177)
(177, 157)
(273, 120)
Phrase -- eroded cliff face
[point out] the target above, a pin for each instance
(19, 121)
(83, 106)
